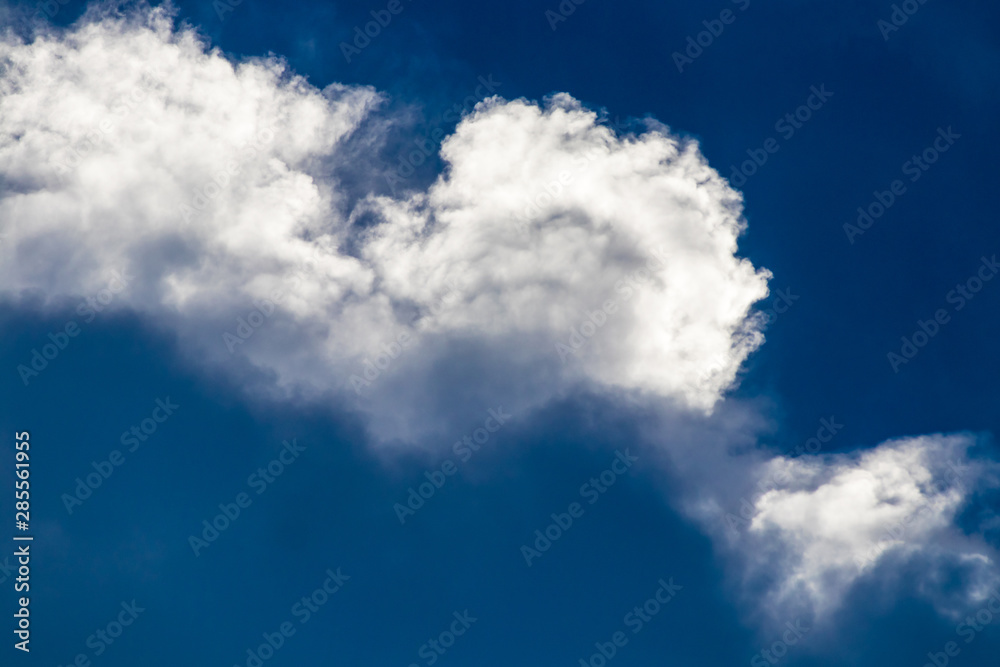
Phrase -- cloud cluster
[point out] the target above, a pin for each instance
(826, 523)
(551, 253)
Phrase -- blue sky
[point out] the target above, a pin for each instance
(798, 495)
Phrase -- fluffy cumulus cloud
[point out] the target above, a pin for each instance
(213, 198)
(550, 254)
(817, 526)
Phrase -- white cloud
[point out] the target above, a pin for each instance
(125, 144)
(831, 521)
